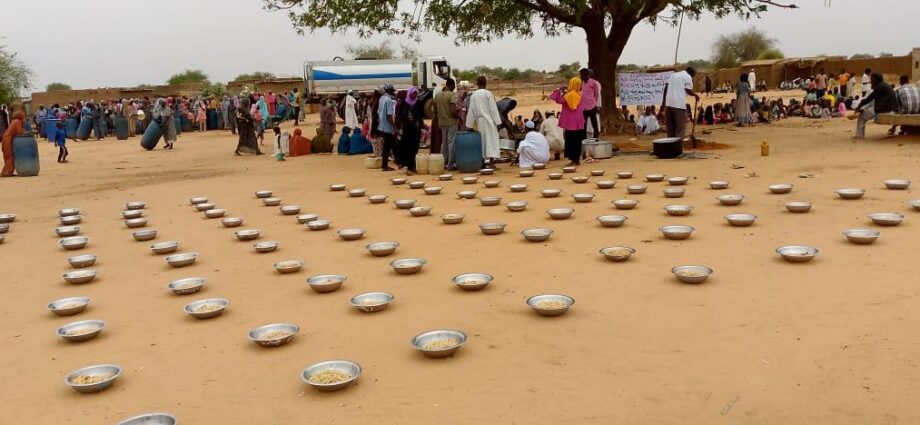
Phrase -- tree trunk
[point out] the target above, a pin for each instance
(604, 50)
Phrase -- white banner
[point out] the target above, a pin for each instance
(642, 89)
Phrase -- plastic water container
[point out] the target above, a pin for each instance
(121, 128)
(152, 135)
(373, 162)
(71, 125)
(435, 163)
(211, 119)
(25, 155)
(468, 147)
(50, 127)
(86, 126)
(421, 163)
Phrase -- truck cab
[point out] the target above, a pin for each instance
(432, 72)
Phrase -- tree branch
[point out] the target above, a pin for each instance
(545, 7)
(773, 3)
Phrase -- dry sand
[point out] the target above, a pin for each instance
(762, 342)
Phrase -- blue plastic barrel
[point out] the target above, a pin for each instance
(25, 155)
(86, 126)
(121, 128)
(71, 125)
(152, 135)
(212, 116)
(468, 145)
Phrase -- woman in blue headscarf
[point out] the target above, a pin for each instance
(358, 144)
(344, 142)
(263, 109)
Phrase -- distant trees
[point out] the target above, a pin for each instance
(699, 64)
(382, 50)
(885, 55)
(861, 56)
(772, 54)
(258, 75)
(188, 76)
(57, 86)
(15, 76)
(729, 51)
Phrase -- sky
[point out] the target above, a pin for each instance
(120, 43)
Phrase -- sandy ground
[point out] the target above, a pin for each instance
(762, 342)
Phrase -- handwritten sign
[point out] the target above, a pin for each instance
(642, 89)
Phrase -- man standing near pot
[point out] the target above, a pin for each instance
(680, 84)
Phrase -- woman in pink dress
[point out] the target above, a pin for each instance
(202, 115)
(571, 119)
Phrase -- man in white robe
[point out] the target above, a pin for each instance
(483, 117)
(534, 149)
(554, 136)
(351, 115)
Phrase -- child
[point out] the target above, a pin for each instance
(282, 143)
(60, 137)
(257, 120)
(775, 111)
(825, 111)
(841, 111)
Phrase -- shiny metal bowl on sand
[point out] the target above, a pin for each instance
(82, 261)
(692, 274)
(625, 204)
(231, 221)
(357, 193)
(516, 206)
(157, 418)
(318, 224)
(438, 343)
(351, 234)
(186, 286)
(205, 206)
(74, 242)
(215, 213)
(182, 260)
(408, 265)
(467, 194)
(81, 331)
(197, 200)
(673, 192)
(740, 220)
(288, 266)
(560, 213)
(404, 204)
(135, 223)
(612, 220)
(165, 247)
(63, 231)
(550, 193)
(144, 235)
(420, 211)
(897, 184)
(491, 184)
(472, 281)
(718, 184)
(247, 234)
(798, 207)
(290, 209)
(678, 210)
(452, 218)
(78, 277)
(583, 197)
(135, 205)
(518, 187)
(797, 253)
(617, 254)
(344, 367)
(850, 193)
(265, 246)
(677, 181)
(550, 304)
(886, 218)
(536, 234)
(605, 184)
(730, 200)
(92, 379)
(372, 302)
(470, 180)
(68, 306)
(654, 178)
(274, 335)
(129, 214)
(70, 220)
(433, 190)
(492, 228)
(862, 236)
(490, 201)
(780, 189)
(337, 187)
(264, 194)
(377, 199)
(636, 189)
(382, 249)
(676, 233)
(326, 283)
(67, 212)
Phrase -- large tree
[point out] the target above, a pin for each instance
(258, 75)
(15, 76)
(607, 24)
(728, 51)
(57, 86)
(188, 76)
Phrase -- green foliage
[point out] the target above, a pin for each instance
(188, 76)
(885, 55)
(861, 56)
(15, 76)
(772, 54)
(258, 75)
(382, 50)
(216, 90)
(728, 51)
(568, 70)
(145, 86)
(700, 64)
(57, 86)
(629, 67)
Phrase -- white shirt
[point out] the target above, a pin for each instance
(865, 83)
(678, 84)
(752, 79)
(351, 117)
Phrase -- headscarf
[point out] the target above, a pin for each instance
(411, 95)
(157, 110)
(573, 97)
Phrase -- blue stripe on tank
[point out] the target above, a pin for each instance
(330, 76)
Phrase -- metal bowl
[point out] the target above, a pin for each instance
(63, 231)
(319, 224)
(487, 171)
(188, 285)
(519, 187)
(398, 181)
(207, 206)
(470, 180)
(326, 283)
(129, 214)
(654, 178)
(404, 204)
(539, 166)
(598, 173)
(673, 192)
(525, 173)
(274, 335)
(420, 211)
(110, 373)
(797, 253)
(68, 306)
(231, 221)
(408, 265)
(167, 247)
(583, 197)
(472, 281)
(290, 209)
(70, 220)
(151, 419)
(377, 199)
(492, 184)
(382, 249)
(264, 194)
(554, 176)
(446, 177)
(636, 189)
(455, 338)
(452, 218)
(197, 200)
(560, 213)
(337, 187)
(83, 330)
(247, 234)
(357, 193)
(288, 266)
(81, 276)
(215, 213)
(492, 228)
(516, 206)
(345, 366)
(625, 174)
(434, 190)
(490, 201)
(467, 194)
(265, 246)
(625, 204)
(351, 234)
(579, 179)
(536, 234)
(416, 185)
(862, 236)
(4, 227)
(730, 200)
(67, 212)
(144, 235)
(677, 181)
(718, 184)
(678, 210)
(676, 232)
(7, 218)
(740, 220)
(897, 184)
(612, 220)
(372, 302)
(780, 189)
(217, 306)
(605, 184)
(886, 219)
(550, 193)
(535, 303)
(271, 202)
(135, 205)
(915, 204)
(850, 193)
(182, 260)
(135, 223)
(692, 274)
(82, 261)
(798, 206)
(569, 169)
(74, 242)
(617, 254)
(306, 218)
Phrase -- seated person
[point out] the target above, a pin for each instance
(908, 96)
(344, 141)
(358, 144)
(321, 143)
(299, 145)
(648, 122)
(881, 100)
(534, 148)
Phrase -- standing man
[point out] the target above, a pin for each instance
(445, 104)
(386, 124)
(842, 81)
(707, 87)
(591, 98)
(483, 116)
(351, 114)
(680, 84)
(297, 102)
(866, 82)
(821, 83)
(752, 80)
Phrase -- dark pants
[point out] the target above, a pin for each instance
(821, 93)
(573, 139)
(297, 115)
(591, 115)
(62, 153)
(389, 146)
(843, 90)
(676, 120)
